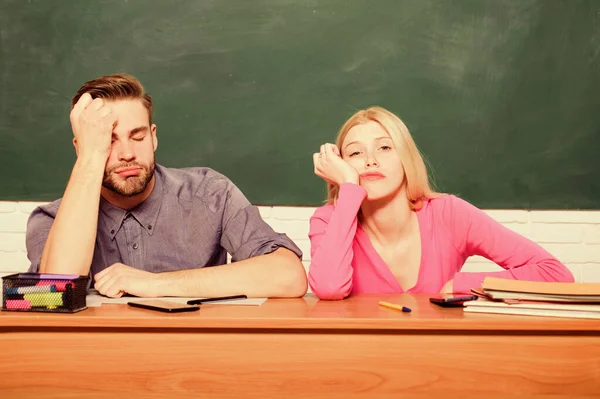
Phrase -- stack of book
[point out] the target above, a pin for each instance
(579, 300)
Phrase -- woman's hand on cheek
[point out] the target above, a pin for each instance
(330, 166)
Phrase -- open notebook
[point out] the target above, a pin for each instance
(94, 299)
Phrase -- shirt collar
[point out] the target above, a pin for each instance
(145, 213)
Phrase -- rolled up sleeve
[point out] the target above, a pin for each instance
(244, 234)
(38, 227)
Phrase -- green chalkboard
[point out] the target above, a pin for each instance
(501, 96)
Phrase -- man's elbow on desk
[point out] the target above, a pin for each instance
(288, 275)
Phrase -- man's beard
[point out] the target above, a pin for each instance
(129, 186)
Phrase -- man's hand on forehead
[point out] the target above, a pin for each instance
(92, 121)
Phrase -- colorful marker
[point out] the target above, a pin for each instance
(29, 289)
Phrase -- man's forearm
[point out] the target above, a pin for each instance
(279, 274)
(70, 245)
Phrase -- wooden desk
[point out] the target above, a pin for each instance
(298, 348)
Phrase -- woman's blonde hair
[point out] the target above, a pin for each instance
(417, 183)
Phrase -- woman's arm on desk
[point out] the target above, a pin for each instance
(476, 233)
(332, 231)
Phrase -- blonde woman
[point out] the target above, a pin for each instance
(384, 230)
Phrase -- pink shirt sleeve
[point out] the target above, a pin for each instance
(473, 232)
(332, 231)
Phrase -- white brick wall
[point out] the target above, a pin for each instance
(571, 236)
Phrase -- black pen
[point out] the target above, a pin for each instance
(217, 299)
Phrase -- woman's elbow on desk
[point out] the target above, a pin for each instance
(329, 291)
(554, 271)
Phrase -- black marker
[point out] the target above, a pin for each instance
(217, 299)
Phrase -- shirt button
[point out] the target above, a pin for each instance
(112, 232)
(135, 246)
(149, 227)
